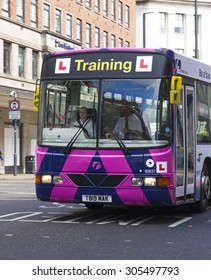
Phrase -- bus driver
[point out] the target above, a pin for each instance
(131, 125)
(86, 122)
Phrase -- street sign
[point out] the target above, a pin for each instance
(14, 115)
(14, 105)
(14, 109)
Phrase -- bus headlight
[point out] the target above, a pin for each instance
(46, 179)
(137, 181)
(57, 179)
(150, 182)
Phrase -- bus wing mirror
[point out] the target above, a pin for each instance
(36, 98)
(176, 85)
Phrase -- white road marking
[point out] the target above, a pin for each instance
(181, 221)
(89, 219)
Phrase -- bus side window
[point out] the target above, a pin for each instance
(203, 133)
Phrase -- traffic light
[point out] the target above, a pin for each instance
(36, 98)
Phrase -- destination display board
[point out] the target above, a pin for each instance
(110, 64)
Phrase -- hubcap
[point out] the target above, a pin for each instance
(205, 187)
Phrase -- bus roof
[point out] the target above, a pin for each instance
(184, 66)
(108, 49)
(191, 67)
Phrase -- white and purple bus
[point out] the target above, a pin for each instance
(91, 162)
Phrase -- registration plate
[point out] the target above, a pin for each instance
(97, 198)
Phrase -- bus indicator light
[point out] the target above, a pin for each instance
(163, 181)
(37, 179)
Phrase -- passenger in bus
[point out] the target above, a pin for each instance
(86, 122)
(131, 125)
(203, 133)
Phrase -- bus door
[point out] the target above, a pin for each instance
(185, 144)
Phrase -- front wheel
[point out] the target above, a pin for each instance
(205, 189)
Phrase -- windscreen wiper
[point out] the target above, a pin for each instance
(120, 143)
(68, 148)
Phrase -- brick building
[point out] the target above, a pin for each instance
(30, 27)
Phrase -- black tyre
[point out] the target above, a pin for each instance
(205, 189)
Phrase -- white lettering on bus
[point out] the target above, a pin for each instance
(204, 74)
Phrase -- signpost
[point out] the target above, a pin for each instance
(14, 115)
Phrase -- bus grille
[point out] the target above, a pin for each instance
(99, 180)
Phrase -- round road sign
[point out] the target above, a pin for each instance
(14, 105)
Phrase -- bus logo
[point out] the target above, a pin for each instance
(96, 165)
(144, 63)
(62, 65)
(150, 163)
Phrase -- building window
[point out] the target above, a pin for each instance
(34, 65)
(5, 8)
(120, 42)
(105, 39)
(46, 16)
(113, 10)
(162, 21)
(97, 37)
(97, 6)
(88, 3)
(105, 8)
(20, 10)
(58, 21)
(78, 30)
(127, 17)
(127, 44)
(113, 41)
(120, 8)
(69, 26)
(33, 13)
(21, 62)
(179, 23)
(88, 35)
(7, 58)
(79, 1)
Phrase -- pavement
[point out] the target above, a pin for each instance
(26, 176)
